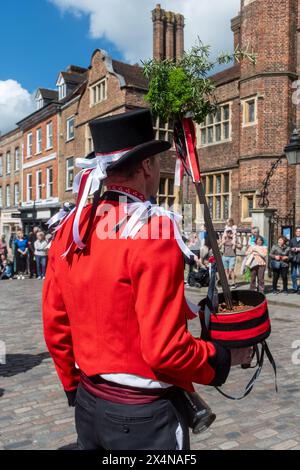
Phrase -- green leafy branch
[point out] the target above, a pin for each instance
(181, 88)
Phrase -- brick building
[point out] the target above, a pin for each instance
(111, 87)
(237, 146)
(41, 139)
(11, 148)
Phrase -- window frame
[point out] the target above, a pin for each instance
(29, 146)
(49, 136)
(7, 187)
(214, 194)
(245, 111)
(166, 195)
(211, 123)
(38, 185)
(49, 184)
(68, 171)
(29, 189)
(16, 203)
(244, 197)
(167, 129)
(39, 148)
(17, 159)
(71, 118)
(96, 92)
(8, 163)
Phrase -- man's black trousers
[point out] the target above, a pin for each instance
(102, 424)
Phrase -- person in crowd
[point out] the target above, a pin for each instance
(3, 246)
(202, 235)
(230, 225)
(279, 256)
(6, 270)
(21, 250)
(259, 262)
(31, 240)
(2, 258)
(12, 239)
(194, 246)
(295, 260)
(41, 254)
(228, 244)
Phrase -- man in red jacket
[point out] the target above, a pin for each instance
(114, 311)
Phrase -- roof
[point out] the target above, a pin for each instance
(72, 77)
(227, 75)
(133, 74)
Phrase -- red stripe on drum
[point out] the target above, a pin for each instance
(254, 312)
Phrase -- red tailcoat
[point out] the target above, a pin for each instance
(119, 307)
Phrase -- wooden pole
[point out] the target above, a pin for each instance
(214, 245)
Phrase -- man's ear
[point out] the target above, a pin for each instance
(147, 166)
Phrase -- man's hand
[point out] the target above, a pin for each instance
(241, 356)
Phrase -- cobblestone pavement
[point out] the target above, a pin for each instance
(34, 412)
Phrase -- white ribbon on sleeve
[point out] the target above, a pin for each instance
(141, 212)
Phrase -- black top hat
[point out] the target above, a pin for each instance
(132, 131)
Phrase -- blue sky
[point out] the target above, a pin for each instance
(39, 38)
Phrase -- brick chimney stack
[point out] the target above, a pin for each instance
(179, 35)
(168, 34)
(236, 29)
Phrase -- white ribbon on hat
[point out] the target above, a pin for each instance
(141, 212)
(96, 167)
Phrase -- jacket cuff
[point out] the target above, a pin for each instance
(221, 363)
(71, 396)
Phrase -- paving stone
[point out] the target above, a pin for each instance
(229, 445)
(265, 433)
(285, 445)
(34, 409)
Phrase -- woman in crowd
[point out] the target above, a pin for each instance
(21, 251)
(228, 244)
(3, 246)
(279, 256)
(258, 262)
(41, 254)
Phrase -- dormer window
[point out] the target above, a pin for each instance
(39, 100)
(62, 87)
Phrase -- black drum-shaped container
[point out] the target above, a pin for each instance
(239, 329)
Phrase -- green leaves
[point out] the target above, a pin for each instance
(184, 87)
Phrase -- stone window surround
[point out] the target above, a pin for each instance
(38, 141)
(39, 184)
(69, 119)
(29, 142)
(245, 196)
(49, 135)
(29, 187)
(245, 118)
(69, 169)
(49, 184)
(7, 196)
(200, 128)
(215, 194)
(8, 162)
(98, 92)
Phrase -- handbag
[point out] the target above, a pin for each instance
(251, 262)
(275, 265)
